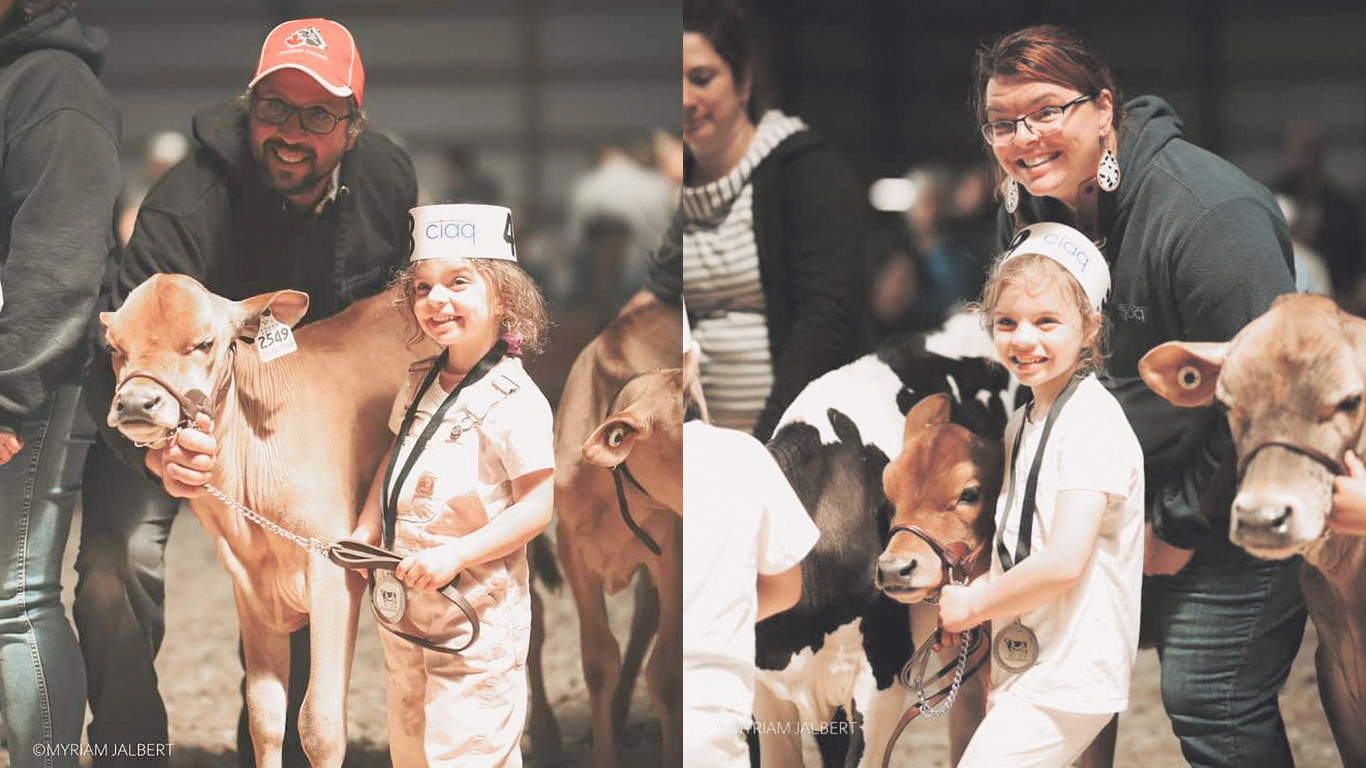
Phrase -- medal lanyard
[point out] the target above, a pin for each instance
(390, 498)
(1027, 506)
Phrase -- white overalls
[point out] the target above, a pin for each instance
(465, 710)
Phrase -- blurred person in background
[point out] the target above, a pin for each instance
(618, 210)
(164, 149)
(773, 233)
(669, 161)
(1311, 272)
(1327, 216)
(59, 182)
(930, 274)
(466, 179)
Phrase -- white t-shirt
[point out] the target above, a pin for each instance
(1088, 637)
(741, 518)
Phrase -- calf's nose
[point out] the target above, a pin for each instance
(137, 404)
(893, 572)
(1267, 512)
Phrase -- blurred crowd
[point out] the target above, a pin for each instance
(931, 239)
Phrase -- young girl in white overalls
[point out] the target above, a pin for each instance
(467, 500)
(1064, 588)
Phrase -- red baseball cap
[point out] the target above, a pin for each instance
(322, 48)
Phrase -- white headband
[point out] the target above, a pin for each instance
(462, 231)
(1070, 248)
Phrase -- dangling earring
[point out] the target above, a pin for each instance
(1012, 195)
(1108, 172)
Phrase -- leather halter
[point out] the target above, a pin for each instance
(617, 472)
(194, 402)
(951, 561)
(621, 469)
(1331, 464)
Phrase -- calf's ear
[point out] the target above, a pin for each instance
(286, 306)
(611, 442)
(1184, 373)
(934, 409)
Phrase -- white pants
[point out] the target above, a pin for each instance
(455, 711)
(1021, 735)
(714, 738)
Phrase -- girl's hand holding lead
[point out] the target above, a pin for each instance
(955, 609)
(433, 568)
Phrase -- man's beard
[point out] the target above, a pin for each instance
(284, 183)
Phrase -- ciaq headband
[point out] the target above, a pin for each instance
(1070, 248)
(461, 231)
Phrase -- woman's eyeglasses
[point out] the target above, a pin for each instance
(1039, 122)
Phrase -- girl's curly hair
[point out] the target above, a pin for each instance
(1035, 271)
(524, 320)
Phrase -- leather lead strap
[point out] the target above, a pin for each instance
(348, 553)
(1027, 510)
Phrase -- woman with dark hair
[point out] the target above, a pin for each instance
(772, 239)
(1197, 249)
(59, 178)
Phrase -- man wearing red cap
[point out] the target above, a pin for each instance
(283, 189)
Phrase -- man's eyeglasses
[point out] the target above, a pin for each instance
(312, 119)
(1040, 122)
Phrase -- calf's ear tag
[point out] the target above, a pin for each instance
(1188, 377)
(274, 338)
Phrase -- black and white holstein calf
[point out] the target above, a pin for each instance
(828, 666)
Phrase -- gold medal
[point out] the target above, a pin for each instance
(388, 597)
(1016, 648)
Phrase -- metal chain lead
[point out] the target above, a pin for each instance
(312, 545)
(947, 703)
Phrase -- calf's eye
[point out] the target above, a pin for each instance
(970, 495)
(1350, 404)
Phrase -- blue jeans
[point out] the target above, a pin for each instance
(1227, 628)
(42, 682)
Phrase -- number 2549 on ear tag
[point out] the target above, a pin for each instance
(274, 338)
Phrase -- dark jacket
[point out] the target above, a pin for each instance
(809, 223)
(59, 179)
(212, 217)
(1197, 250)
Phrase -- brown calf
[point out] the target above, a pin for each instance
(599, 552)
(944, 483)
(299, 439)
(1292, 383)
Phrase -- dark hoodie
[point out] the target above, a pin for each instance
(1196, 250)
(59, 179)
(213, 218)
